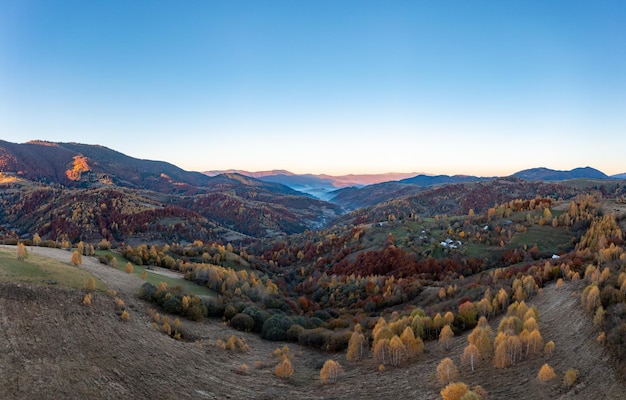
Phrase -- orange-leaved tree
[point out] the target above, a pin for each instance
(470, 356)
(445, 336)
(546, 373)
(77, 258)
(90, 286)
(330, 371)
(447, 371)
(284, 369)
(356, 346)
(454, 391)
(414, 345)
(397, 351)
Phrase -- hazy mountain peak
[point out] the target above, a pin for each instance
(547, 174)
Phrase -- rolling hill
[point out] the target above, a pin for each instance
(66, 188)
(546, 174)
(281, 266)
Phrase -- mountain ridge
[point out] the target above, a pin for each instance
(547, 174)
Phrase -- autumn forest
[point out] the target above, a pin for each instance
(451, 276)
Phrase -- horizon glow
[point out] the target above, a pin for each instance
(486, 88)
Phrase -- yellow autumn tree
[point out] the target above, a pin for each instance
(447, 371)
(284, 369)
(397, 351)
(454, 391)
(501, 356)
(22, 253)
(535, 342)
(414, 346)
(330, 371)
(546, 373)
(470, 356)
(448, 318)
(481, 338)
(381, 351)
(356, 346)
(530, 324)
(548, 349)
(503, 298)
(77, 258)
(128, 268)
(445, 336)
(570, 377)
(162, 286)
(90, 285)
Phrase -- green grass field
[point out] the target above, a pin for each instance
(547, 239)
(41, 270)
(154, 278)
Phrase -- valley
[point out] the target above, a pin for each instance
(55, 345)
(236, 286)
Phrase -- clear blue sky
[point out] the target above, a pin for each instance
(456, 87)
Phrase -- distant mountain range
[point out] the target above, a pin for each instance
(545, 174)
(321, 186)
(352, 190)
(90, 191)
(82, 165)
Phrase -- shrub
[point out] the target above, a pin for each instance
(119, 303)
(234, 343)
(275, 328)
(197, 310)
(339, 340)
(125, 316)
(294, 332)
(548, 349)
(242, 322)
(91, 285)
(570, 377)
(471, 395)
(318, 337)
(104, 245)
(230, 311)
(173, 305)
(214, 306)
(147, 292)
(259, 316)
(87, 299)
(321, 314)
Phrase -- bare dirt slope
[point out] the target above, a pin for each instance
(51, 346)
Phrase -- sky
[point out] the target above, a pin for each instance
(445, 87)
